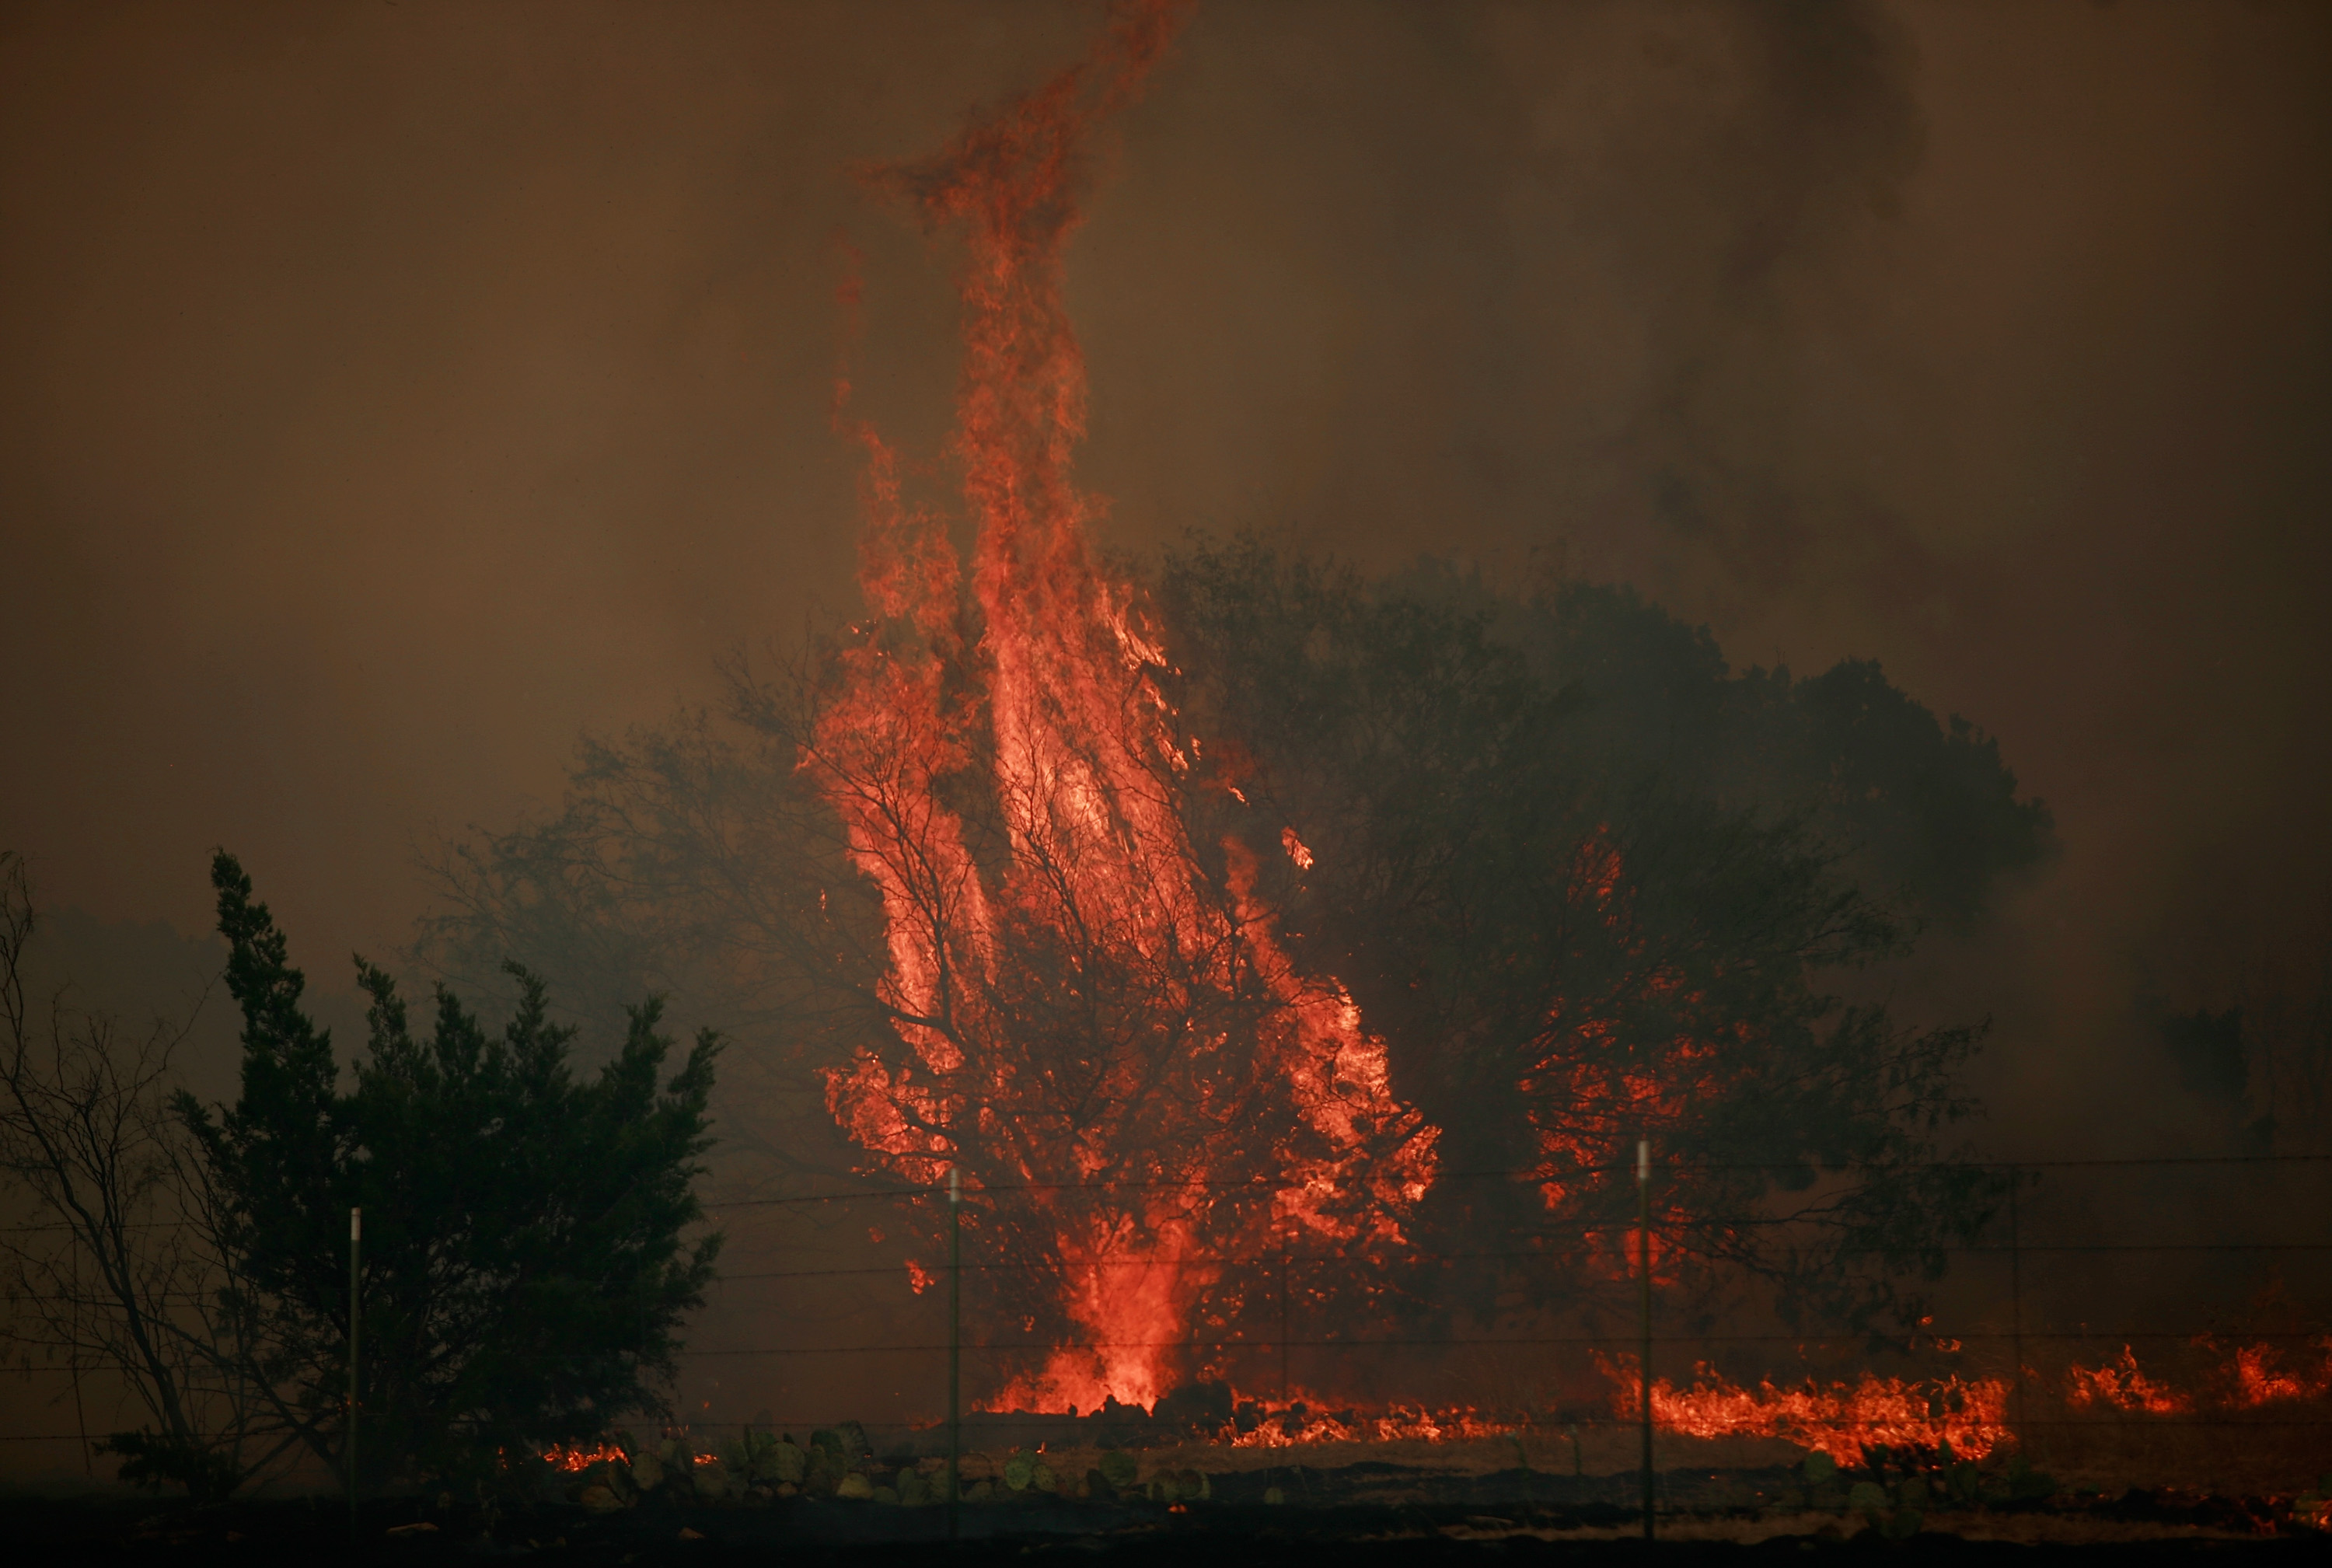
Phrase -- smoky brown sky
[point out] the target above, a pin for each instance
(394, 391)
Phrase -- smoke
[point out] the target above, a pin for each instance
(1895, 331)
(396, 390)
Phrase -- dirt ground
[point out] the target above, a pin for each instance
(2235, 1460)
(1531, 1493)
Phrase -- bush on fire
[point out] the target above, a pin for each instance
(1586, 881)
(1593, 885)
(523, 1267)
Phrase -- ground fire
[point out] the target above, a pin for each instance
(1092, 1014)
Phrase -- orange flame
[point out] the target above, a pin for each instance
(1195, 1030)
(1305, 1422)
(2247, 1377)
(2261, 1377)
(573, 1458)
(1841, 1419)
(2121, 1386)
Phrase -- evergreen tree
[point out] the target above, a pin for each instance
(524, 1273)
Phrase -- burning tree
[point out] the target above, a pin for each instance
(1008, 878)
(1612, 891)
(1082, 1004)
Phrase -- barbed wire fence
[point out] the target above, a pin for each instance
(821, 1380)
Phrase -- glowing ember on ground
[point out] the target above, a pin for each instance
(582, 1458)
(1302, 1421)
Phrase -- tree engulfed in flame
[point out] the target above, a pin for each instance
(1083, 1006)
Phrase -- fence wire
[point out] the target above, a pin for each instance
(1979, 1342)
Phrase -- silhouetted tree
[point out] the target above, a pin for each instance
(524, 1272)
(118, 1271)
(1584, 879)
(1591, 886)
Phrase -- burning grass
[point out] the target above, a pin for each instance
(2221, 1417)
(1842, 1420)
(1572, 1485)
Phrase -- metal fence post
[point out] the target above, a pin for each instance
(955, 1353)
(356, 1315)
(1283, 1325)
(1644, 1267)
(2016, 1308)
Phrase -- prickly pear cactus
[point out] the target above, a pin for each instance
(1118, 1468)
(613, 1474)
(1041, 1477)
(1019, 1470)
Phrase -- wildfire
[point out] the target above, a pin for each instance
(1081, 1008)
(1296, 852)
(1088, 1003)
(576, 1457)
(2120, 1385)
(1301, 1424)
(1841, 1419)
(2261, 1379)
(2247, 1377)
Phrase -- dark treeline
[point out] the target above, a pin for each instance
(521, 1275)
(1588, 882)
